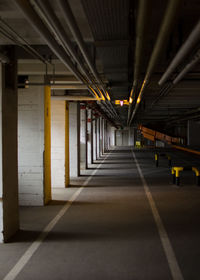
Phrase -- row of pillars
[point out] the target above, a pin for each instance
(85, 133)
(95, 137)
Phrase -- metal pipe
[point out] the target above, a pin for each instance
(21, 42)
(163, 35)
(61, 33)
(188, 67)
(51, 17)
(73, 98)
(189, 44)
(40, 27)
(71, 22)
(140, 29)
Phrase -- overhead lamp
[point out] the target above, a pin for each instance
(130, 100)
(95, 93)
(121, 102)
(138, 100)
(108, 96)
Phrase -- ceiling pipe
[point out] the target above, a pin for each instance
(63, 37)
(140, 30)
(60, 32)
(188, 67)
(12, 35)
(167, 24)
(73, 98)
(71, 22)
(168, 87)
(189, 44)
(40, 27)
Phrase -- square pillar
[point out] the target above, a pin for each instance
(58, 143)
(94, 125)
(97, 138)
(9, 212)
(83, 136)
(34, 144)
(89, 136)
(74, 139)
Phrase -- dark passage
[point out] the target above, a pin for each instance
(109, 231)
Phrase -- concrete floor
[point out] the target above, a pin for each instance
(109, 232)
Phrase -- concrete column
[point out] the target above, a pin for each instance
(131, 136)
(67, 144)
(101, 137)
(9, 214)
(193, 133)
(83, 136)
(105, 136)
(89, 136)
(74, 139)
(58, 143)
(97, 138)
(31, 143)
(94, 125)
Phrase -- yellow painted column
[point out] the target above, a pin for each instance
(47, 144)
(66, 144)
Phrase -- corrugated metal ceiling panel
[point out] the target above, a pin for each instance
(108, 19)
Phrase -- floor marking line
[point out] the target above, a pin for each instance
(12, 274)
(169, 252)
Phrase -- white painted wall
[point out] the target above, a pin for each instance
(31, 144)
(58, 143)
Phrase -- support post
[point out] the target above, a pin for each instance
(47, 144)
(66, 144)
(9, 212)
(74, 139)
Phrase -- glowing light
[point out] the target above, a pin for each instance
(108, 96)
(130, 100)
(102, 97)
(138, 100)
(95, 93)
(121, 102)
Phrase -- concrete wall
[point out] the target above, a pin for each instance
(57, 143)
(31, 144)
(193, 134)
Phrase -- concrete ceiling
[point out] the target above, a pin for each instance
(109, 31)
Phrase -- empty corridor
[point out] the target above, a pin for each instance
(122, 219)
